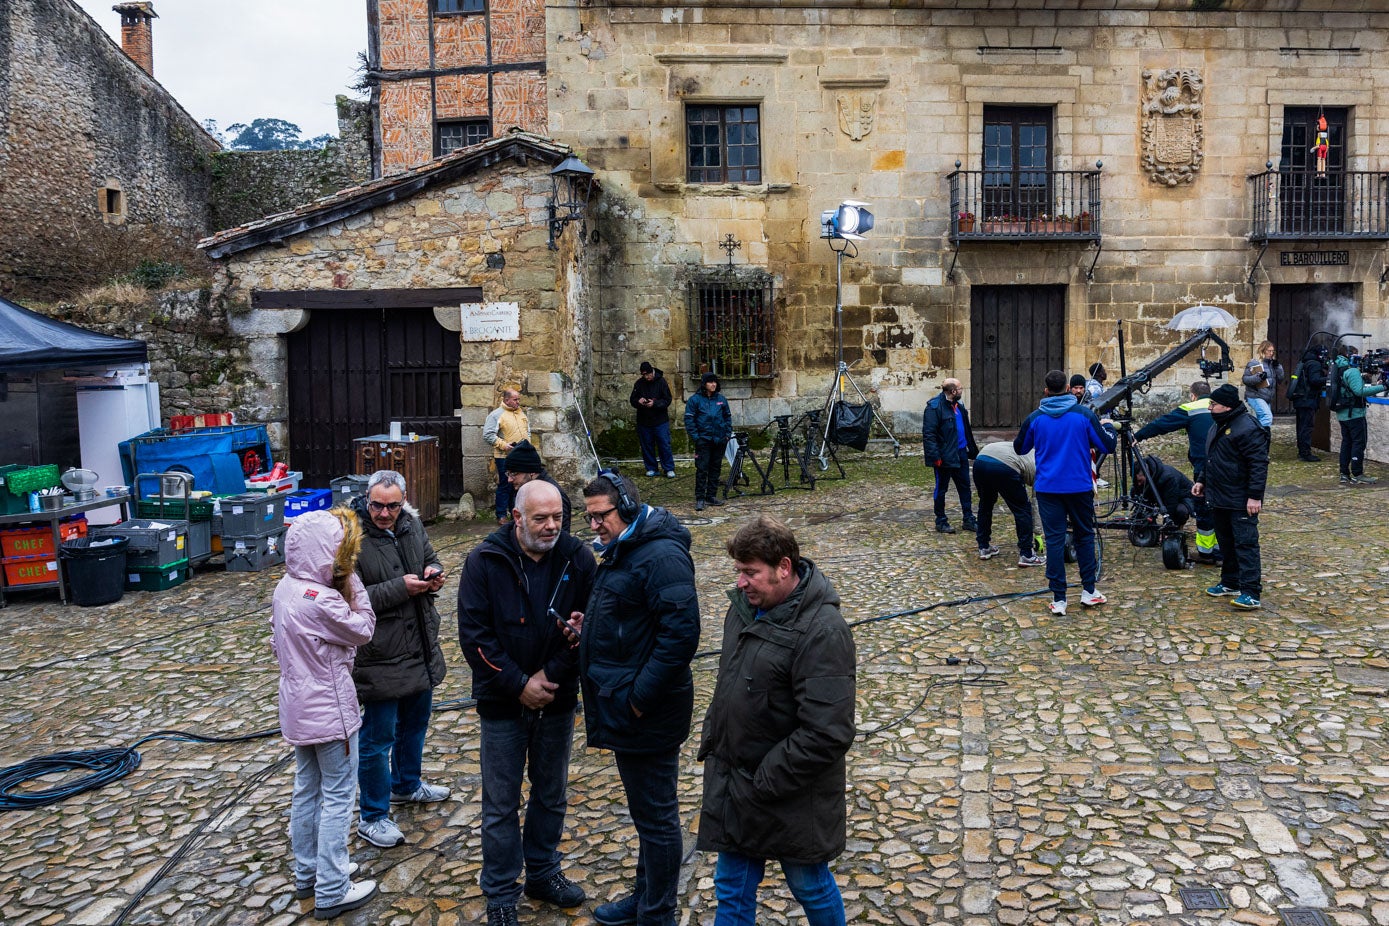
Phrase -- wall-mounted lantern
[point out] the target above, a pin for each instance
(571, 183)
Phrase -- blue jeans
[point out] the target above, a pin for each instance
(392, 747)
(1076, 509)
(1260, 410)
(649, 780)
(320, 816)
(655, 441)
(540, 742)
(960, 476)
(505, 495)
(735, 884)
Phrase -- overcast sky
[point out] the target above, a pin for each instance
(248, 59)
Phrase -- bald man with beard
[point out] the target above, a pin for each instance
(525, 681)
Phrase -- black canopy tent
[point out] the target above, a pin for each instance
(29, 341)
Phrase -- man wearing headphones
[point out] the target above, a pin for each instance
(636, 640)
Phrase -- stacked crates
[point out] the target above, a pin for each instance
(253, 530)
(157, 557)
(199, 515)
(27, 556)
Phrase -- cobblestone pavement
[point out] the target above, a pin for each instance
(1076, 770)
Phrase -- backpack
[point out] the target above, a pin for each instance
(1297, 386)
(1338, 397)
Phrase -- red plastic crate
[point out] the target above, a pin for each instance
(29, 570)
(188, 422)
(38, 540)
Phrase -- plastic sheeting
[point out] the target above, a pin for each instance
(29, 341)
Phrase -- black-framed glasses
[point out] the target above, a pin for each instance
(596, 517)
(384, 506)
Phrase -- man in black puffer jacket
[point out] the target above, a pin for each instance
(397, 672)
(525, 682)
(639, 634)
(1233, 483)
(779, 724)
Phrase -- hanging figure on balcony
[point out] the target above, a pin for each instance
(1323, 144)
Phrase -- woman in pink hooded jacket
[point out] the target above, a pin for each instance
(320, 616)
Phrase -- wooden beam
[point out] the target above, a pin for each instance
(363, 298)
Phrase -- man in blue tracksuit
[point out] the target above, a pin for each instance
(1062, 432)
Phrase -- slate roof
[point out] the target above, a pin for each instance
(335, 207)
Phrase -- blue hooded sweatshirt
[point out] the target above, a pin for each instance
(1062, 432)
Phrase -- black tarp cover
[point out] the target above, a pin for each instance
(29, 341)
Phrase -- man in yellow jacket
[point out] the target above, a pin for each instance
(504, 429)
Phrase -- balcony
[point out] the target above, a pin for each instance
(1024, 205)
(1311, 205)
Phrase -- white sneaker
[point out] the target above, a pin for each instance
(650, 472)
(426, 793)
(1090, 599)
(988, 552)
(305, 891)
(1057, 607)
(359, 893)
(670, 474)
(383, 832)
(1100, 483)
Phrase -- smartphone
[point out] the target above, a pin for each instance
(572, 629)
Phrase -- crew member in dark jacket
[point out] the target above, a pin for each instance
(526, 684)
(947, 442)
(1233, 483)
(523, 465)
(1305, 388)
(777, 729)
(1169, 484)
(396, 672)
(709, 424)
(651, 398)
(639, 634)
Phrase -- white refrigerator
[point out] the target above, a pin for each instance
(113, 406)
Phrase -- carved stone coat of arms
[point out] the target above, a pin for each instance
(856, 114)
(1173, 135)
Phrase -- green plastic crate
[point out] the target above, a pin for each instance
(153, 509)
(34, 477)
(156, 578)
(11, 502)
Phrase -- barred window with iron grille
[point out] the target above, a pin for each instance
(732, 327)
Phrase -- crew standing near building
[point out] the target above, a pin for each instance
(1002, 472)
(1193, 417)
(517, 586)
(1233, 484)
(1261, 378)
(1305, 388)
(947, 442)
(778, 727)
(709, 424)
(651, 398)
(1062, 432)
(506, 426)
(1349, 405)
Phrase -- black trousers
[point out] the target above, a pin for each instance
(1237, 532)
(1305, 419)
(1355, 432)
(708, 466)
(996, 480)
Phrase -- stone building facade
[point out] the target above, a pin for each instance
(1037, 175)
(99, 165)
(449, 73)
(407, 259)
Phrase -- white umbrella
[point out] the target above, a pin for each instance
(1202, 316)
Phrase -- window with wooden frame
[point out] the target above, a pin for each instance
(450, 136)
(723, 144)
(732, 325)
(460, 6)
(1017, 162)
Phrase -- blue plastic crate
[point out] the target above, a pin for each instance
(307, 500)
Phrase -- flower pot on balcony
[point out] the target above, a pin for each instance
(966, 226)
(1005, 228)
(1083, 223)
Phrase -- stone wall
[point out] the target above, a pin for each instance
(247, 185)
(622, 73)
(443, 237)
(77, 116)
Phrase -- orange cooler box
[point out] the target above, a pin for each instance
(29, 570)
(38, 540)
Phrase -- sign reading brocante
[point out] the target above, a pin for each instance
(1314, 258)
(491, 321)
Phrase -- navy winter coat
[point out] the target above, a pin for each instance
(939, 438)
(707, 418)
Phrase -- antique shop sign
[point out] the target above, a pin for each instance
(491, 321)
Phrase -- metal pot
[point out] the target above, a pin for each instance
(50, 502)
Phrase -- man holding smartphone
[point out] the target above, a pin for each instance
(518, 586)
(397, 672)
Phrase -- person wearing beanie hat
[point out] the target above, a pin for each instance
(1077, 387)
(1232, 483)
(651, 398)
(523, 465)
(709, 424)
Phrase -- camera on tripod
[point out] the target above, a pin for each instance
(1371, 362)
(783, 422)
(1214, 368)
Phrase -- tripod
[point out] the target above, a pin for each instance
(786, 448)
(736, 477)
(836, 391)
(811, 420)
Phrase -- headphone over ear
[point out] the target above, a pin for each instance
(627, 509)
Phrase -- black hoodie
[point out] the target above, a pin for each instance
(658, 390)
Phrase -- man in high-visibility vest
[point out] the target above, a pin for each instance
(1194, 417)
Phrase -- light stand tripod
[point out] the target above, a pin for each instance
(836, 392)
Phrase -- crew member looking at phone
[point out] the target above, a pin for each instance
(396, 672)
(519, 588)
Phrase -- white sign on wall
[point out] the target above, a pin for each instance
(491, 321)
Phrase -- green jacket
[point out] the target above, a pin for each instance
(1354, 383)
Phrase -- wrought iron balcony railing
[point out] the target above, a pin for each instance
(1024, 205)
(1319, 205)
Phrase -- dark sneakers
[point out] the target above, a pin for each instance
(716, 502)
(558, 890)
(501, 914)
(617, 913)
(944, 527)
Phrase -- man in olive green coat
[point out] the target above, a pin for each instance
(777, 730)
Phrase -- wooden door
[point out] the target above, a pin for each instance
(353, 371)
(1312, 202)
(1294, 314)
(1017, 334)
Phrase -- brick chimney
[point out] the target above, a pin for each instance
(137, 32)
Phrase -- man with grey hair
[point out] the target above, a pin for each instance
(505, 427)
(516, 588)
(396, 672)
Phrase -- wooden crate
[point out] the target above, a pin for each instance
(417, 461)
